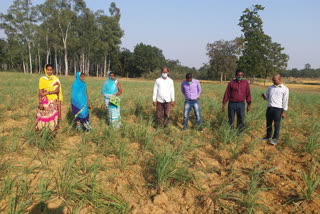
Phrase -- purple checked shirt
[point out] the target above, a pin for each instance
(192, 91)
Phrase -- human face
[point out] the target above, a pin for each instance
(239, 75)
(111, 76)
(189, 80)
(276, 80)
(49, 70)
(165, 71)
(82, 77)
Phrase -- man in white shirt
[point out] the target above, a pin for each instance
(163, 97)
(277, 96)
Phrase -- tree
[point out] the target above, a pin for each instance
(110, 34)
(19, 25)
(274, 60)
(251, 60)
(147, 58)
(307, 66)
(223, 58)
(260, 57)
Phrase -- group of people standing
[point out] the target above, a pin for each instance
(50, 97)
(236, 94)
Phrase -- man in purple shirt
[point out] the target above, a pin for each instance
(191, 90)
(237, 92)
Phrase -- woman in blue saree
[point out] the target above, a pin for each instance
(109, 88)
(80, 103)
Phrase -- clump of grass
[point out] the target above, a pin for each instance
(254, 186)
(44, 140)
(68, 179)
(234, 149)
(44, 188)
(19, 194)
(121, 151)
(225, 192)
(311, 181)
(170, 168)
(313, 144)
(142, 134)
(227, 134)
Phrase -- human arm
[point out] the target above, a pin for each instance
(42, 93)
(266, 95)
(226, 97)
(248, 97)
(182, 88)
(154, 97)
(172, 94)
(285, 101)
(119, 90)
(199, 90)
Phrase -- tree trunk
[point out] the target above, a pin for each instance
(64, 40)
(105, 66)
(109, 65)
(56, 61)
(35, 64)
(75, 66)
(82, 65)
(225, 77)
(221, 77)
(39, 60)
(66, 59)
(48, 50)
(88, 67)
(24, 66)
(30, 60)
(97, 70)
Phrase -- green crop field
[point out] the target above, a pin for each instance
(142, 169)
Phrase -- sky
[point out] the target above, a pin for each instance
(183, 28)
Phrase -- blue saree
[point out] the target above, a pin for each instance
(79, 104)
(109, 88)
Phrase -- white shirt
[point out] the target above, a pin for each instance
(278, 97)
(163, 90)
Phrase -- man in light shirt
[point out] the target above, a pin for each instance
(163, 97)
(277, 96)
(191, 90)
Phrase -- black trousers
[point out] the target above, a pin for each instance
(239, 109)
(273, 116)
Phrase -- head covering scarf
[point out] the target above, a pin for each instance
(109, 87)
(79, 97)
(50, 83)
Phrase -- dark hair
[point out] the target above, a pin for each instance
(164, 68)
(189, 76)
(111, 72)
(49, 65)
(239, 71)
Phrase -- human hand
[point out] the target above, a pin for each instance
(223, 109)
(172, 104)
(248, 108)
(154, 103)
(89, 106)
(41, 106)
(283, 115)
(264, 96)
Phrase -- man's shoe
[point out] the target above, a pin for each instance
(266, 138)
(200, 129)
(273, 142)
(184, 128)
